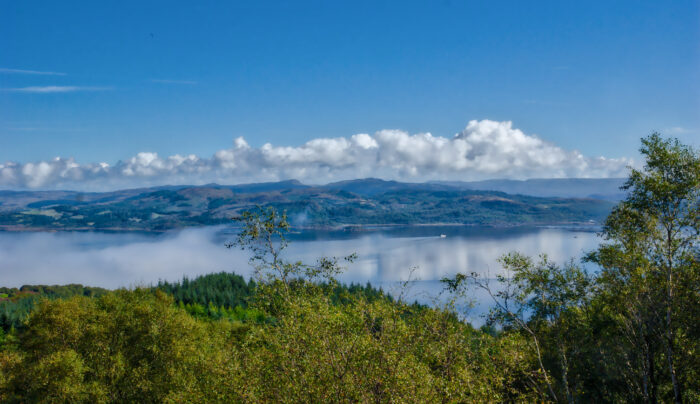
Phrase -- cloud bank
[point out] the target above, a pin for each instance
(484, 149)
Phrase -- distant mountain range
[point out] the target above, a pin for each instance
(596, 188)
(355, 202)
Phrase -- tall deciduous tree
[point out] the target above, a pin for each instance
(651, 257)
(542, 300)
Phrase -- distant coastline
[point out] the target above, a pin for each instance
(348, 205)
(350, 228)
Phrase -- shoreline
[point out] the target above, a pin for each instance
(359, 228)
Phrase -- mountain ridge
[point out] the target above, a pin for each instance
(345, 203)
(596, 188)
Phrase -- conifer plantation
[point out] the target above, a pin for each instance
(623, 326)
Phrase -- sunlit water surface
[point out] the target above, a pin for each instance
(386, 257)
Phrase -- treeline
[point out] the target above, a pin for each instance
(228, 295)
(138, 346)
(214, 296)
(15, 304)
(628, 333)
(221, 289)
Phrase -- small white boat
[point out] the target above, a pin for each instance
(443, 235)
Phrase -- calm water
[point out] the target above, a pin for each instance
(385, 256)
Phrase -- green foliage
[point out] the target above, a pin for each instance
(126, 346)
(542, 301)
(138, 346)
(631, 333)
(263, 235)
(380, 352)
(228, 295)
(16, 304)
(651, 274)
(327, 343)
(220, 289)
(555, 334)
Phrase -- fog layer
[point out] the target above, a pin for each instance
(123, 260)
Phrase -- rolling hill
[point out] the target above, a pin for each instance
(357, 202)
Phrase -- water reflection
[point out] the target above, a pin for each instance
(112, 260)
(385, 256)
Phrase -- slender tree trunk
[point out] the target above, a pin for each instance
(544, 371)
(677, 396)
(650, 376)
(646, 373)
(564, 363)
(652, 380)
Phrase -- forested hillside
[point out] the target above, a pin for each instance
(628, 332)
(361, 202)
(15, 304)
(212, 296)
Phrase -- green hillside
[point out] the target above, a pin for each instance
(326, 206)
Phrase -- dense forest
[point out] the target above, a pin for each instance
(628, 332)
(212, 296)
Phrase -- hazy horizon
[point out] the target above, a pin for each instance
(311, 184)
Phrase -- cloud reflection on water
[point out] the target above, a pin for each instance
(384, 258)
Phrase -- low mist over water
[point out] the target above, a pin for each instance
(384, 256)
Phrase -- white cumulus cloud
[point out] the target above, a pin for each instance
(484, 149)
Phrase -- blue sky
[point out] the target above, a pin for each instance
(182, 77)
